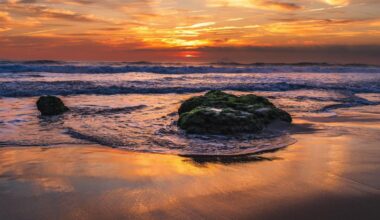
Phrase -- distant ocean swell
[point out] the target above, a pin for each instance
(52, 67)
(37, 88)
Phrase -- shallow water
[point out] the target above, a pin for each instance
(333, 166)
(134, 122)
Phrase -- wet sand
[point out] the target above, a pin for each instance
(329, 173)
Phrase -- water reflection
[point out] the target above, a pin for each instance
(204, 160)
(95, 182)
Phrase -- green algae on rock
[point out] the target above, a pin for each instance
(51, 105)
(218, 112)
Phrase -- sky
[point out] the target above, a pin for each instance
(246, 31)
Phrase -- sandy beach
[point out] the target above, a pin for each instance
(330, 173)
(198, 109)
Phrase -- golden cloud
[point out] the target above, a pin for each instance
(199, 25)
(4, 17)
(337, 2)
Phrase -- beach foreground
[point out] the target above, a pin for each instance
(330, 173)
(119, 154)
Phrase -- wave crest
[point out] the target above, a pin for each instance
(62, 67)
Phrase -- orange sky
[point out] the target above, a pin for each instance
(178, 30)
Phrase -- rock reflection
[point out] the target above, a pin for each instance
(201, 160)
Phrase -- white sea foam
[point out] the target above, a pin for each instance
(78, 67)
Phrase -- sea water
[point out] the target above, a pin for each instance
(133, 106)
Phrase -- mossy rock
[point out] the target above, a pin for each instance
(51, 105)
(221, 113)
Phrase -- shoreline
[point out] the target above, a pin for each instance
(317, 177)
(333, 165)
(301, 125)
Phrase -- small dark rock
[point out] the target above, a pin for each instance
(221, 113)
(51, 105)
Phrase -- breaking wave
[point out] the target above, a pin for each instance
(73, 67)
(38, 88)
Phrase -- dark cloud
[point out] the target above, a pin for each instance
(282, 5)
(81, 48)
(84, 2)
(49, 12)
(366, 54)
(323, 21)
(28, 1)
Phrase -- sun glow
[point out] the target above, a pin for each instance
(100, 27)
(190, 54)
(185, 43)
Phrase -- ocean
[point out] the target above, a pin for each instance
(133, 106)
(118, 153)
